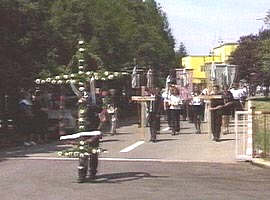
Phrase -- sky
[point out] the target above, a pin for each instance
(201, 24)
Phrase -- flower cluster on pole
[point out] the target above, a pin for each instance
(81, 150)
(81, 76)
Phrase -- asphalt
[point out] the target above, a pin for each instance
(185, 147)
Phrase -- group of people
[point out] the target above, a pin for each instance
(33, 114)
(173, 102)
(174, 105)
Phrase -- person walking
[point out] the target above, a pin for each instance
(237, 95)
(166, 96)
(25, 118)
(216, 113)
(227, 109)
(174, 103)
(197, 109)
(154, 113)
(40, 118)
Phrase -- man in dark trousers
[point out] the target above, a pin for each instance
(154, 113)
(216, 113)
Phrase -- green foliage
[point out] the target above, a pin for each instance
(246, 57)
(264, 62)
(41, 36)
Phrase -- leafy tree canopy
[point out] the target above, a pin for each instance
(40, 36)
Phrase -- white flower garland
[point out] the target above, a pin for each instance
(73, 78)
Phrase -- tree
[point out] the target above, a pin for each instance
(245, 57)
(41, 36)
(24, 41)
(180, 53)
(264, 57)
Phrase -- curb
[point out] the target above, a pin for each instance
(261, 162)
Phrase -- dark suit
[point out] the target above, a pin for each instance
(216, 117)
(154, 116)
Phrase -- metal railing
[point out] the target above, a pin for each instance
(261, 134)
(252, 130)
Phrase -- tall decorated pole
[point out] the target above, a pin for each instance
(88, 148)
(83, 94)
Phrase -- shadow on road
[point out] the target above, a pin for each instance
(165, 140)
(122, 177)
(223, 140)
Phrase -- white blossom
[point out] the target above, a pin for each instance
(81, 127)
(94, 151)
(53, 81)
(82, 142)
(110, 77)
(59, 82)
(67, 81)
(80, 72)
(73, 81)
(72, 75)
(81, 119)
(60, 153)
(81, 89)
(57, 77)
(81, 83)
(81, 49)
(106, 73)
(42, 81)
(81, 42)
(81, 155)
(81, 67)
(81, 148)
(116, 73)
(37, 81)
(88, 73)
(65, 76)
(82, 111)
(103, 79)
(48, 80)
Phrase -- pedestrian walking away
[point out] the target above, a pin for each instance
(154, 113)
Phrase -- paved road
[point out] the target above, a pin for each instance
(50, 179)
(186, 166)
(185, 147)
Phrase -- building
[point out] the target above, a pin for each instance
(200, 64)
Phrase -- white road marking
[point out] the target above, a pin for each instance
(131, 147)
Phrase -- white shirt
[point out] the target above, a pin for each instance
(236, 93)
(175, 102)
(196, 101)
